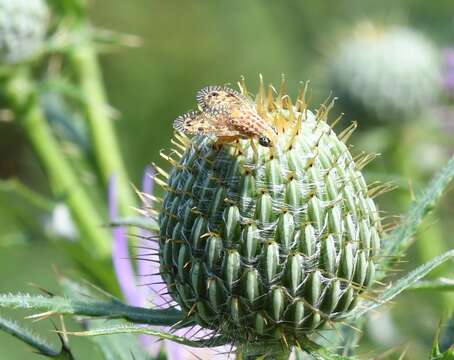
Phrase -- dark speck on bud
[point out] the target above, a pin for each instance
(264, 141)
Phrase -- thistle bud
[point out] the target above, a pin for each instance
(389, 73)
(261, 242)
(23, 27)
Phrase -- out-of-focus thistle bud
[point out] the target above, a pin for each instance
(23, 27)
(260, 242)
(389, 73)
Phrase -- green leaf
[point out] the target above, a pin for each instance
(71, 9)
(22, 212)
(103, 309)
(24, 192)
(137, 329)
(81, 291)
(114, 347)
(118, 346)
(278, 350)
(350, 334)
(61, 86)
(448, 355)
(39, 345)
(401, 285)
(325, 354)
(269, 350)
(401, 238)
(109, 38)
(436, 354)
(67, 123)
(440, 284)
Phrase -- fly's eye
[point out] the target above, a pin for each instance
(264, 141)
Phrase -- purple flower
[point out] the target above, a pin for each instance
(135, 291)
(120, 252)
(448, 71)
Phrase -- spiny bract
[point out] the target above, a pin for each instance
(23, 26)
(259, 242)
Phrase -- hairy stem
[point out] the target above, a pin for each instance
(105, 144)
(57, 305)
(63, 180)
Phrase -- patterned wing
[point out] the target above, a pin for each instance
(212, 122)
(246, 120)
(218, 97)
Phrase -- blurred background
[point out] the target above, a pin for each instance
(390, 63)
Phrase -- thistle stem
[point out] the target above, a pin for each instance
(63, 180)
(112, 309)
(105, 144)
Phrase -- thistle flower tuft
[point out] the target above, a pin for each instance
(389, 72)
(23, 27)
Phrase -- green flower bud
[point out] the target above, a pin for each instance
(261, 242)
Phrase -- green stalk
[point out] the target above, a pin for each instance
(105, 144)
(109, 309)
(64, 182)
